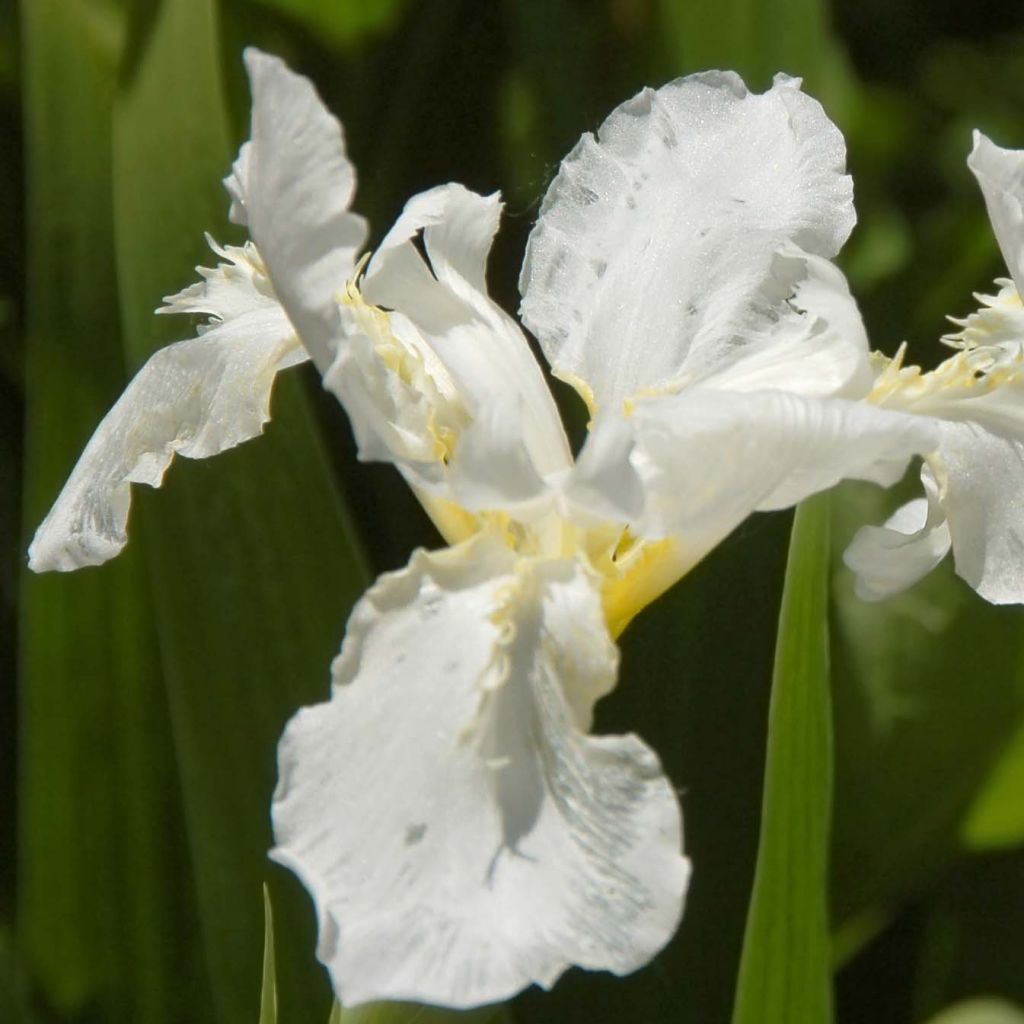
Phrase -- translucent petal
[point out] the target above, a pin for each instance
(195, 398)
(982, 477)
(1000, 173)
(461, 835)
(891, 558)
(817, 346)
(293, 184)
(707, 459)
(654, 257)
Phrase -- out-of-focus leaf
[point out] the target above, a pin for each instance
(996, 818)
(253, 566)
(268, 990)
(980, 1011)
(927, 694)
(758, 40)
(101, 869)
(344, 23)
(785, 973)
(407, 1013)
(14, 1001)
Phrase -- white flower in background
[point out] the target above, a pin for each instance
(974, 481)
(462, 834)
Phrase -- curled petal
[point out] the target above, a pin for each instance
(1000, 173)
(460, 833)
(654, 257)
(484, 383)
(891, 558)
(195, 398)
(707, 459)
(292, 185)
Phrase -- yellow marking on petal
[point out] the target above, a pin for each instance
(408, 366)
(635, 573)
(583, 389)
(971, 373)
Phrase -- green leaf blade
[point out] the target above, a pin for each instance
(785, 973)
(253, 563)
(100, 870)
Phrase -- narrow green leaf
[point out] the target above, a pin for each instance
(14, 1000)
(253, 566)
(100, 869)
(784, 972)
(757, 40)
(996, 817)
(268, 991)
(344, 23)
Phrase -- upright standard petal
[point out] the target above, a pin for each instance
(292, 185)
(460, 833)
(195, 398)
(504, 438)
(654, 257)
(1000, 173)
(705, 459)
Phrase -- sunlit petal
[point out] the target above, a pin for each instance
(707, 459)
(461, 834)
(1000, 173)
(195, 398)
(654, 257)
(293, 184)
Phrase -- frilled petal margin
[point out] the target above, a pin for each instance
(195, 398)
(654, 255)
(703, 460)
(460, 833)
(915, 538)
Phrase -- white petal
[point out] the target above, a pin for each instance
(460, 834)
(232, 288)
(654, 255)
(511, 420)
(915, 538)
(983, 495)
(294, 183)
(1000, 173)
(707, 459)
(195, 398)
(818, 346)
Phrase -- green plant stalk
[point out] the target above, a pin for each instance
(785, 972)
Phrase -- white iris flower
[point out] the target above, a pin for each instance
(974, 481)
(462, 833)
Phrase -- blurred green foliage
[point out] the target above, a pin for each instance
(148, 695)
